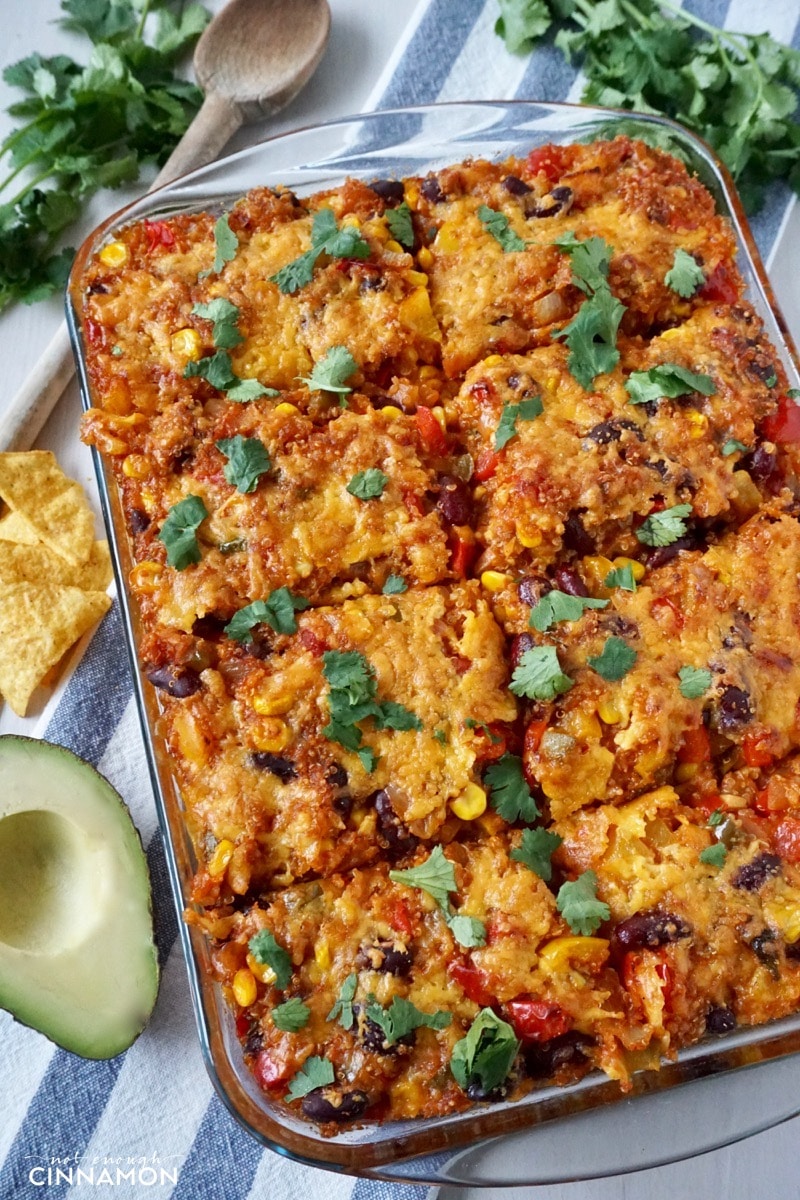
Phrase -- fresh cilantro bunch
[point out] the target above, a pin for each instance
(83, 128)
(737, 90)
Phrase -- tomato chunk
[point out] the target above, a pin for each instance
(720, 287)
(431, 431)
(462, 554)
(485, 465)
(783, 425)
(270, 1069)
(537, 1020)
(547, 161)
(472, 982)
(400, 918)
(786, 839)
(158, 234)
(756, 751)
(695, 747)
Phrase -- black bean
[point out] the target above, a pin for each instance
(762, 371)
(762, 466)
(209, 626)
(658, 465)
(392, 833)
(542, 1059)
(519, 646)
(557, 201)
(455, 501)
(336, 775)
(649, 930)
(611, 431)
(254, 1041)
(371, 281)
(568, 580)
(720, 1020)
(139, 520)
(431, 191)
(283, 768)
(390, 958)
(753, 875)
(659, 556)
(734, 709)
(740, 633)
(370, 1034)
(260, 644)
(476, 1091)
(764, 948)
(343, 804)
(329, 1104)
(575, 536)
(390, 190)
(177, 680)
(381, 400)
(516, 186)
(98, 288)
(530, 590)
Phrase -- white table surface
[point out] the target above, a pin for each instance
(365, 36)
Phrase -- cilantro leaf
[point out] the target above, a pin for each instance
(224, 317)
(402, 1017)
(592, 337)
(316, 1072)
(714, 855)
(486, 1053)
(247, 459)
(522, 22)
(277, 611)
(368, 485)
(615, 660)
(369, 759)
(217, 369)
(468, 931)
(291, 1016)
(578, 904)
(179, 532)
(436, 876)
(395, 585)
(326, 238)
(590, 258)
(685, 275)
(348, 669)
(391, 715)
(539, 676)
(343, 1007)
(535, 851)
(666, 381)
(621, 577)
(695, 681)
(330, 373)
(665, 527)
(525, 410)
(400, 225)
(560, 606)
(732, 446)
(497, 224)
(266, 951)
(510, 796)
(226, 244)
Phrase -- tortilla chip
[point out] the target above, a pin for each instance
(38, 564)
(14, 528)
(37, 626)
(35, 487)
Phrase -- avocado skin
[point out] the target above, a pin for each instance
(78, 962)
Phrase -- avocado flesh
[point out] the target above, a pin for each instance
(77, 958)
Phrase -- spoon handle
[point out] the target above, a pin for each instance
(23, 419)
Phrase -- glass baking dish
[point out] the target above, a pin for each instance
(395, 143)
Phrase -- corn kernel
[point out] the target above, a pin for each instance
(668, 334)
(470, 804)
(686, 771)
(136, 466)
(353, 220)
(699, 424)
(286, 409)
(412, 195)
(272, 705)
(637, 568)
(562, 952)
(394, 247)
(495, 581)
(186, 344)
(244, 988)
(114, 254)
(490, 823)
(428, 372)
(391, 411)
(425, 258)
(494, 360)
(272, 735)
(322, 955)
(608, 714)
(262, 971)
(438, 412)
(219, 860)
(595, 570)
(417, 278)
(447, 239)
(145, 577)
(148, 499)
(528, 536)
(415, 313)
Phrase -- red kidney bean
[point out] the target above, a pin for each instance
(390, 958)
(519, 645)
(530, 590)
(139, 520)
(568, 580)
(649, 930)
(575, 536)
(455, 501)
(753, 875)
(762, 466)
(659, 556)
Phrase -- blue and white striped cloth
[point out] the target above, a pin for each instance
(153, 1111)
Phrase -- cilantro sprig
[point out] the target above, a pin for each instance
(578, 904)
(525, 410)
(666, 382)
(179, 532)
(400, 225)
(84, 126)
(486, 1054)
(622, 578)
(685, 275)
(316, 1072)
(497, 224)
(402, 1017)
(217, 369)
(331, 373)
(436, 876)
(694, 682)
(536, 850)
(326, 238)
(737, 90)
(614, 661)
(665, 527)
(511, 797)
(343, 1005)
(277, 611)
(538, 675)
(291, 1016)
(224, 317)
(558, 606)
(368, 484)
(353, 698)
(248, 459)
(268, 953)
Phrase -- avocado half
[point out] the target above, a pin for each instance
(77, 957)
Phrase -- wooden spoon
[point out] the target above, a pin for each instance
(253, 58)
